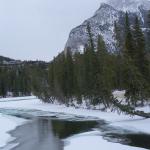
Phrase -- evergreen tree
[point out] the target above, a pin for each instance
(69, 74)
(118, 38)
(141, 60)
(79, 79)
(51, 80)
(119, 59)
(148, 32)
(90, 66)
(3, 85)
(135, 84)
(104, 74)
(136, 87)
(90, 36)
(60, 86)
(129, 42)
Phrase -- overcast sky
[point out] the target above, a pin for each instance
(38, 29)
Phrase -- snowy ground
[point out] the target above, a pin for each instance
(8, 123)
(17, 98)
(88, 140)
(92, 140)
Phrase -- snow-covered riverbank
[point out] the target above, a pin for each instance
(93, 139)
(8, 123)
(112, 117)
(135, 124)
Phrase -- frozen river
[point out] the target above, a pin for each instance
(50, 131)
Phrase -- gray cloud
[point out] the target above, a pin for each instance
(38, 29)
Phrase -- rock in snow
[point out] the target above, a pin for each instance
(103, 22)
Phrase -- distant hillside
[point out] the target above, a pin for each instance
(2, 58)
(6, 61)
(21, 78)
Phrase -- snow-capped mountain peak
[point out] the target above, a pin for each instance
(129, 5)
(103, 20)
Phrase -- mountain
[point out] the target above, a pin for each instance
(8, 61)
(2, 58)
(103, 20)
(5, 61)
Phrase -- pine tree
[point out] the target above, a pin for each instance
(141, 60)
(90, 65)
(135, 85)
(118, 38)
(104, 74)
(79, 80)
(51, 80)
(88, 70)
(3, 85)
(148, 32)
(129, 42)
(59, 68)
(69, 76)
(119, 53)
(90, 37)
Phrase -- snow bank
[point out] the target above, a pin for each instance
(93, 140)
(142, 125)
(39, 105)
(16, 98)
(7, 124)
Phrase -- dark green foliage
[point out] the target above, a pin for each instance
(141, 60)
(135, 64)
(148, 33)
(89, 70)
(82, 76)
(3, 88)
(135, 85)
(20, 80)
(69, 74)
(129, 48)
(104, 82)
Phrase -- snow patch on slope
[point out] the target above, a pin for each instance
(130, 5)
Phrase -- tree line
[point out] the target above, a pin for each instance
(23, 79)
(95, 73)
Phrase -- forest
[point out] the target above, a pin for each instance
(91, 75)
(94, 74)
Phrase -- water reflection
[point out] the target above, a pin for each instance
(126, 137)
(64, 129)
(37, 135)
(46, 134)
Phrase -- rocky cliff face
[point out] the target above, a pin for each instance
(103, 22)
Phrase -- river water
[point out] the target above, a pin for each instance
(47, 131)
